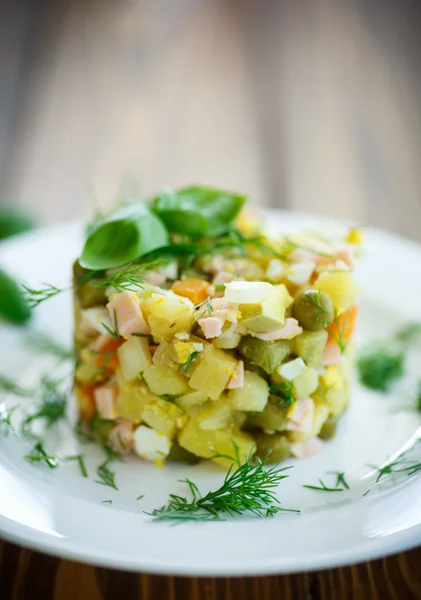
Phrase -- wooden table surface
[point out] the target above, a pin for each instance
(306, 104)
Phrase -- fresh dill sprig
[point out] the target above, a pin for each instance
(140, 497)
(248, 487)
(400, 465)
(106, 502)
(207, 309)
(186, 365)
(340, 479)
(35, 297)
(53, 406)
(6, 420)
(105, 474)
(107, 356)
(10, 386)
(283, 391)
(116, 332)
(45, 344)
(323, 487)
(39, 455)
(339, 333)
(380, 364)
(81, 461)
(289, 242)
(130, 279)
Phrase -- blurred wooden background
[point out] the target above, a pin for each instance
(306, 104)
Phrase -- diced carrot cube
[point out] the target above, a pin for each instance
(344, 326)
(195, 290)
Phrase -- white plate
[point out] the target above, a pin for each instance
(61, 513)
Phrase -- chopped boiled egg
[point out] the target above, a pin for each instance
(276, 270)
(150, 444)
(247, 292)
(291, 369)
(300, 273)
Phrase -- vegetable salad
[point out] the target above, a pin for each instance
(198, 335)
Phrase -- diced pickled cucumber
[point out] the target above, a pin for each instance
(273, 417)
(328, 429)
(306, 383)
(222, 441)
(269, 313)
(179, 454)
(310, 345)
(87, 372)
(275, 448)
(89, 294)
(131, 401)
(267, 355)
(163, 416)
(253, 396)
(213, 372)
(134, 356)
(162, 381)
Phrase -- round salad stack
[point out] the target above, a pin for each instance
(200, 337)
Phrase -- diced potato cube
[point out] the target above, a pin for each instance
(131, 401)
(206, 443)
(310, 345)
(134, 356)
(253, 396)
(213, 372)
(162, 380)
(191, 399)
(216, 415)
(341, 286)
(165, 417)
(227, 342)
(321, 415)
(335, 400)
(269, 313)
(163, 356)
(306, 383)
(168, 314)
(267, 355)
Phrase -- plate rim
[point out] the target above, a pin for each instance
(369, 549)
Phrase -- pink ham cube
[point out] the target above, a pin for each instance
(105, 397)
(128, 314)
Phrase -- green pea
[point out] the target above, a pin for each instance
(13, 305)
(313, 309)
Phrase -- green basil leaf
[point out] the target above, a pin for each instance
(13, 221)
(13, 305)
(197, 211)
(125, 235)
